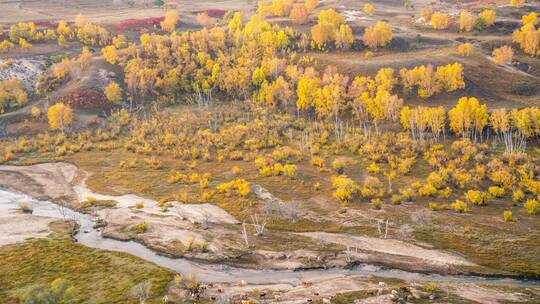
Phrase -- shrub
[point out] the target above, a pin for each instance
(445, 193)
(436, 180)
(317, 162)
(532, 206)
(395, 199)
(241, 186)
(202, 246)
(508, 216)
(373, 168)
(518, 195)
(345, 188)
(460, 206)
(427, 190)
(289, 170)
(433, 206)
(432, 287)
(477, 197)
(377, 203)
(278, 169)
(317, 186)
(338, 165)
(496, 191)
(139, 205)
(236, 170)
(265, 171)
(140, 228)
(25, 207)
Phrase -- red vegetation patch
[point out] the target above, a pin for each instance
(138, 23)
(214, 12)
(86, 99)
(46, 24)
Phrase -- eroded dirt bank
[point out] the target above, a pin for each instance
(206, 232)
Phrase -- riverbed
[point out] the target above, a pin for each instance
(212, 273)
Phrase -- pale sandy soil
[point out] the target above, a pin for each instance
(392, 247)
(16, 227)
(48, 181)
(484, 295)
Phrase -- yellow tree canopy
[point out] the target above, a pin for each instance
(60, 116)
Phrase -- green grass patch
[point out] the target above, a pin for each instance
(98, 276)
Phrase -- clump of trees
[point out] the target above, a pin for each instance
(331, 28)
(528, 36)
(12, 95)
(60, 116)
(378, 35)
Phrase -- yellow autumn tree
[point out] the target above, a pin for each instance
(369, 9)
(531, 18)
(281, 8)
(84, 58)
(466, 21)
(60, 116)
(307, 92)
(113, 92)
(450, 77)
(528, 37)
(465, 49)
(204, 20)
(170, 21)
(503, 55)
(330, 16)
(440, 21)
(426, 13)
(378, 35)
(109, 53)
(344, 37)
(468, 118)
(299, 14)
(488, 16)
(62, 41)
(322, 34)
(35, 112)
(517, 3)
(311, 4)
(63, 29)
(6, 46)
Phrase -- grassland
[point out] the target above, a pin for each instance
(98, 276)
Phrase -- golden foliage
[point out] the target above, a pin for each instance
(503, 55)
(299, 14)
(488, 16)
(170, 21)
(378, 35)
(12, 95)
(204, 20)
(369, 9)
(311, 4)
(440, 21)
(465, 49)
(60, 116)
(113, 92)
(466, 21)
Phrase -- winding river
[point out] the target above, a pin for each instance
(91, 237)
